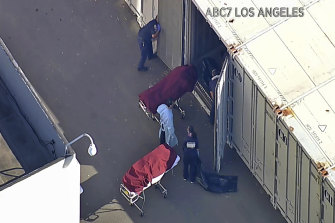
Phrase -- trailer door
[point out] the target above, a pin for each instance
(150, 10)
(314, 195)
(281, 166)
(221, 100)
(291, 178)
(269, 154)
(136, 7)
(145, 10)
(328, 202)
(260, 127)
(170, 39)
(237, 82)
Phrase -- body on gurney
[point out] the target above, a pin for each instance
(148, 171)
(180, 80)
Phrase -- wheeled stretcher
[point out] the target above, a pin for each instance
(180, 80)
(146, 172)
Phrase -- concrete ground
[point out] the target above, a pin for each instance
(81, 56)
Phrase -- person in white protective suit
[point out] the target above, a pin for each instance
(166, 131)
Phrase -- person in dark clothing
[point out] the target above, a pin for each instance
(191, 155)
(212, 87)
(144, 38)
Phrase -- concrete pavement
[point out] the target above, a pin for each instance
(81, 56)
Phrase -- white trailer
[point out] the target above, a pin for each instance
(276, 104)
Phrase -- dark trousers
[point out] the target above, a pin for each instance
(150, 50)
(146, 51)
(162, 137)
(190, 164)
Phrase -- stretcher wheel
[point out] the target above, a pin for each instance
(165, 195)
(142, 213)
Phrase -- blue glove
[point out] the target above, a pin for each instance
(158, 27)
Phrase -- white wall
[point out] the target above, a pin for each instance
(50, 195)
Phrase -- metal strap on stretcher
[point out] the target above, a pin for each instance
(147, 112)
(132, 197)
(154, 117)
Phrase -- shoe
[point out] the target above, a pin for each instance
(142, 68)
(185, 179)
(192, 182)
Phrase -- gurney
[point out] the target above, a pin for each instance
(146, 172)
(180, 80)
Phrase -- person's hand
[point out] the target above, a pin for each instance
(158, 29)
(154, 36)
(212, 94)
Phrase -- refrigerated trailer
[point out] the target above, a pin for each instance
(276, 106)
(281, 147)
(275, 98)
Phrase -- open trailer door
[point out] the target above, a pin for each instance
(220, 124)
(145, 10)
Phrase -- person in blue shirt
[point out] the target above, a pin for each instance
(144, 38)
(191, 155)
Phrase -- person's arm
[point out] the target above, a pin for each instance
(184, 146)
(155, 35)
(212, 94)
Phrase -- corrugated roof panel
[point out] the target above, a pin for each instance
(271, 4)
(246, 28)
(328, 92)
(314, 54)
(304, 138)
(323, 14)
(331, 176)
(260, 77)
(241, 20)
(280, 65)
(320, 124)
(219, 24)
(307, 2)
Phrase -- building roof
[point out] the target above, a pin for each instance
(21, 151)
(292, 61)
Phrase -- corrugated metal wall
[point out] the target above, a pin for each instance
(275, 157)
